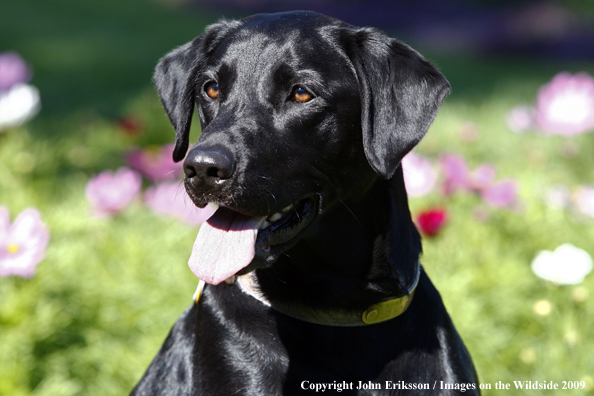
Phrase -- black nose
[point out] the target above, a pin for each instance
(207, 169)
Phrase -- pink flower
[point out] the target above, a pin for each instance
(13, 70)
(482, 177)
(155, 163)
(500, 194)
(521, 118)
(584, 200)
(456, 173)
(109, 193)
(432, 221)
(419, 175)
(565, 106)
(457, 177)
(171, 199)
(22, 244)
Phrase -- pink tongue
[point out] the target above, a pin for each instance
(224, 245)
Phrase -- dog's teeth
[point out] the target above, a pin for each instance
(275, 217)
(287, 208)
(264, 225)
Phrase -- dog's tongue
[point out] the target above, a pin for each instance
(225, 244)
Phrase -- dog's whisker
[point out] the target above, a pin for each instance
(349, 209)
(273, 196)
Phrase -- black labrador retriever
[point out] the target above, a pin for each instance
(305, 120)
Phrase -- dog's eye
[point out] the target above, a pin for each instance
(212, 90)
(301, 95)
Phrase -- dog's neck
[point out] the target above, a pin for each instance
(375, 313)
(360, 253)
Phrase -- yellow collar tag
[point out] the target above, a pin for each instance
(387, 310)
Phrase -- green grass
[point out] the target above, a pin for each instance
(105, 297)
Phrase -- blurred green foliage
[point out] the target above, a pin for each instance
(105, 297)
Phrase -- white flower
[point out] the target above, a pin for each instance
(419, 175)
(17, 105)
(565, 105)
(567, 265)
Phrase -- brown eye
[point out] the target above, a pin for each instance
(301, 95)
(212, 90)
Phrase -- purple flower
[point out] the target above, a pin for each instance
(482, 177)
(456, 173)
(22, 244)
(500, 194)
(419, 175)
(457, 177)
(565, 106)
(13, 70)
(584, 200)
(170, 199)
(109, 193)
(155, 163)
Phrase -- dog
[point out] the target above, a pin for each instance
(305, 120)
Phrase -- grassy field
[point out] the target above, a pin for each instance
(103, 300)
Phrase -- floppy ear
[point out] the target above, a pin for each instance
(401, 93)
(175, 77)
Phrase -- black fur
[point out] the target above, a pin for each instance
(373, 100)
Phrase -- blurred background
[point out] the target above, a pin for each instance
(502, 187)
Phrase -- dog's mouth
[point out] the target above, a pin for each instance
(228, 242)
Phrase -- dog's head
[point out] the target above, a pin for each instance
(298, 110)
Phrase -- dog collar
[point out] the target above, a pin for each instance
(375, 313)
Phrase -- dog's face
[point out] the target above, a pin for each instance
(283, 105)
(298, 111)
